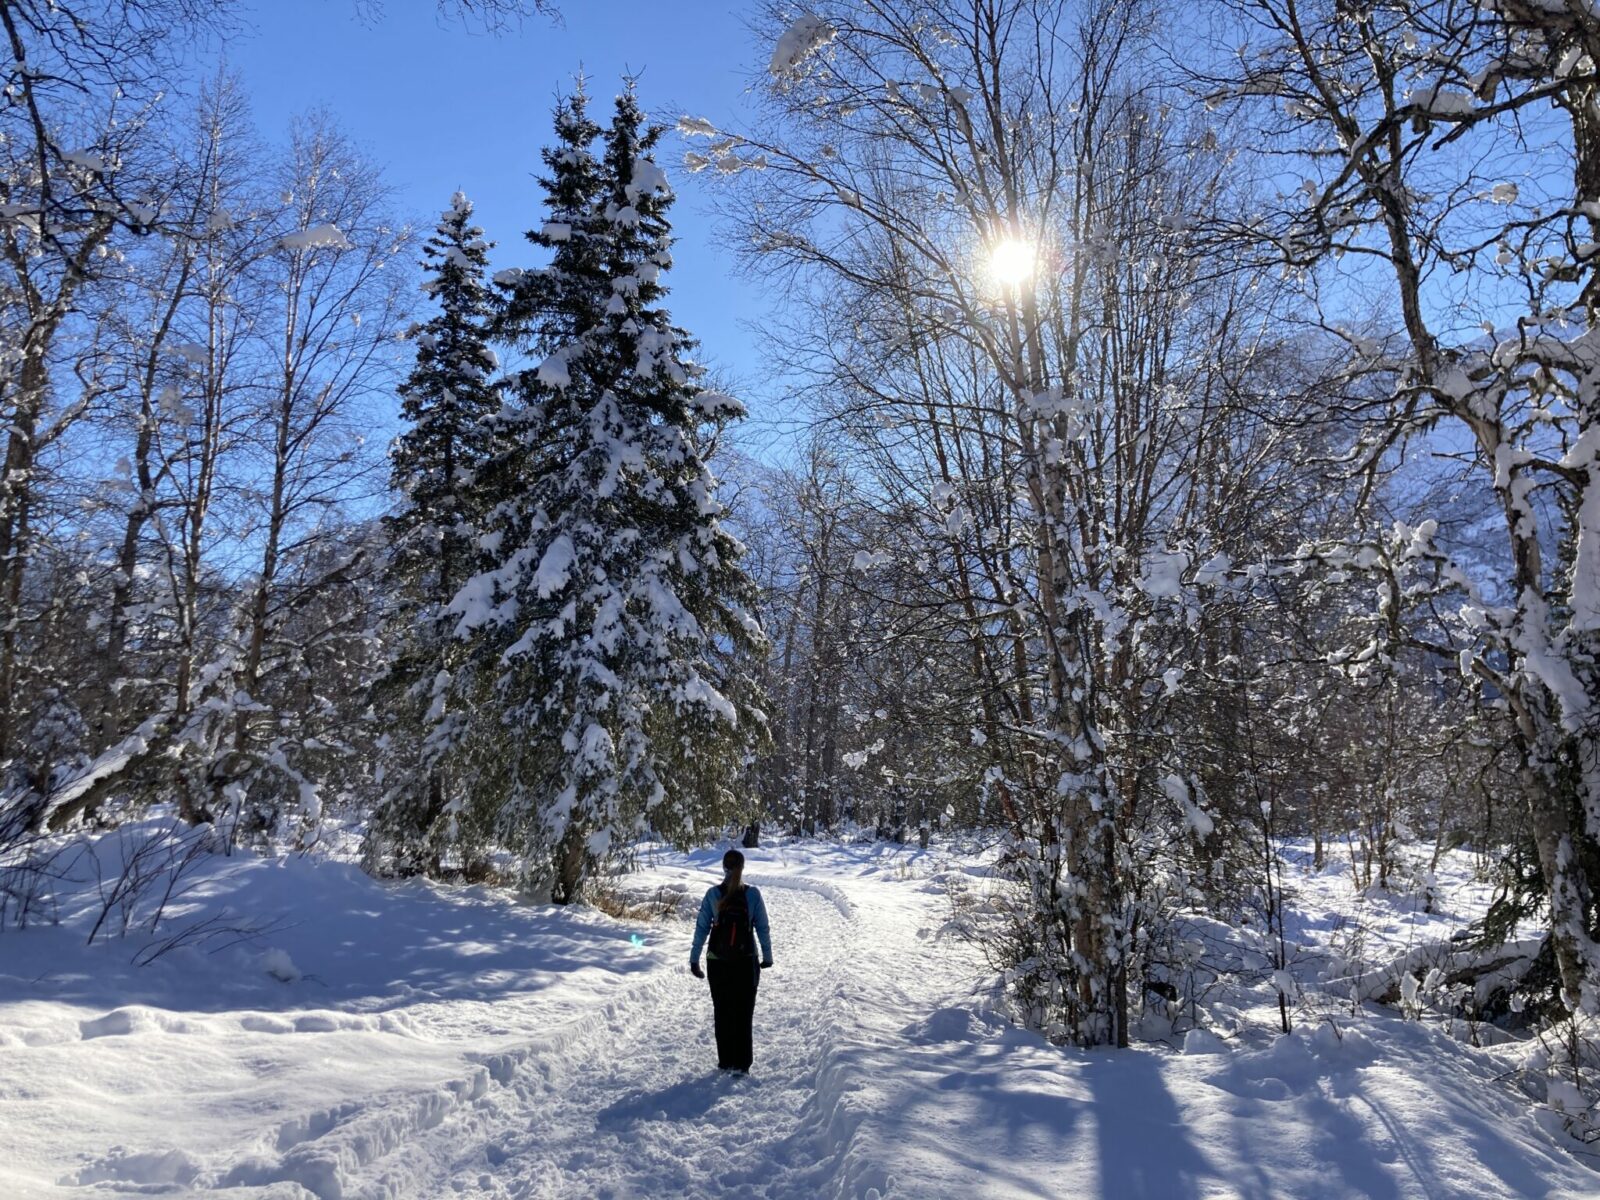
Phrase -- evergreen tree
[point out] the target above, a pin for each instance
(449, 402)
(613, 616)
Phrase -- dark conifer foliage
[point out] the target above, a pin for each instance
(449, 402)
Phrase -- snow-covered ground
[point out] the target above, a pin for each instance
(414, 1041)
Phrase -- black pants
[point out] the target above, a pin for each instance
(733, 1003)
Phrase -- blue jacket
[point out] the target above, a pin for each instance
(708, 914)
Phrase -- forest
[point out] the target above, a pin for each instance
(1189, 487)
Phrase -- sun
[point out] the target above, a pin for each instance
(1012, 261)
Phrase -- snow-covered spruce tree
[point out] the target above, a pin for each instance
(607, 629)
(447, 402)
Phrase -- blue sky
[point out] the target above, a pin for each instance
(444, 108)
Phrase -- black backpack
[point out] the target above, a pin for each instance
(731, 933)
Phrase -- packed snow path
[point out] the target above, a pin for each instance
(636, 1106)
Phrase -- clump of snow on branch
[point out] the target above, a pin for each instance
(317, 237)
(804, 37)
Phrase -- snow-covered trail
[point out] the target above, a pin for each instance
(451, 1042)
(634, 1106)
(627, 1102)
(468, 1045)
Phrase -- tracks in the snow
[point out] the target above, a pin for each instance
(627, 1102)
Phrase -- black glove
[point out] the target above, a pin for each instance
(694, 969)
(765, 963)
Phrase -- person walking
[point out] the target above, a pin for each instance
(732, 917)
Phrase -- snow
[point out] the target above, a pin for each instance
(867, 560)
(394, 993)
(696, 690)
(109, 764)
(696, 127)
(192, 352)
(1163, 574)
(318, 237)
(554, 371)
(648, 177)
(417, 1040)
(1585, 584)
(280, 966)
(804, 37)
(1180, 793)
(716, 406)
(555, 567)
(1214, 570)
(1443, 102)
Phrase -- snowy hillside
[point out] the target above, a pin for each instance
(414, 1041)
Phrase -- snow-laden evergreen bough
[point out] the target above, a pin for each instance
(605, 619)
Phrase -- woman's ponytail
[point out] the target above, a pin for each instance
(733, 881)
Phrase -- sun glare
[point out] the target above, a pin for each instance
(1011, 261)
